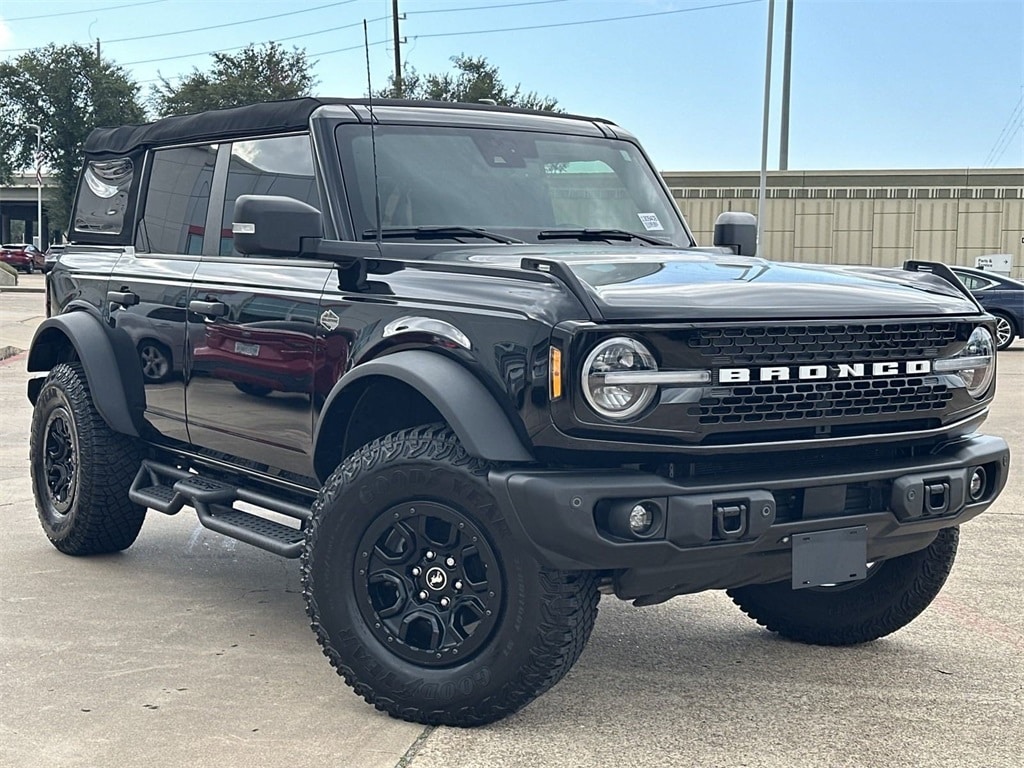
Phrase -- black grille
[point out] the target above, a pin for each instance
(787, 402)
(824, 343)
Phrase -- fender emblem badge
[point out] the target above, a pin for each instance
(329, 320)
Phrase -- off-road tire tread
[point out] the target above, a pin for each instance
(105, 520)
(884, 603)
(569, 598)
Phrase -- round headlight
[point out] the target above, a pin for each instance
(618, 399)
(981, 348)
(975, 363)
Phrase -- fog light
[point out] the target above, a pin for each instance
(978, 483)
(631, 519)
(641, 519)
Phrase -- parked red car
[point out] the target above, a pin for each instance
(21, 256)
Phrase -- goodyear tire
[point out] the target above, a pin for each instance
(81, 470)
(894, 594)
(420, 597)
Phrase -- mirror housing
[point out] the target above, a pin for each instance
(737, 230)
(272, 225)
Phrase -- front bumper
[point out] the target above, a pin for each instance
(719, 535)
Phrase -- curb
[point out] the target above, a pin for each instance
(19, 289)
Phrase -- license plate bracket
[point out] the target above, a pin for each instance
(826, 558)
(249, 350)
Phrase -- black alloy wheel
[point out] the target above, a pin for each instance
(431, 583)
(60, 459)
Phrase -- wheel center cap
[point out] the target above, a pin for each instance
(436, 579)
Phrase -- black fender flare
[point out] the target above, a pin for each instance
(473, 413)
(113, 371)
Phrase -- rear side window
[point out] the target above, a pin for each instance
(104, 195)
(177, 200)
(282, 165)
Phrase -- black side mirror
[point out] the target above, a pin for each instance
(737, 230)
(271, 225)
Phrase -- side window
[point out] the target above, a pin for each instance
(103, 198)
(177, 200)
(282, 165)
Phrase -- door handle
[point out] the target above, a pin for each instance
(208, 308)
(123, 298)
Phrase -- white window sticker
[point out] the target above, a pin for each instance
(651, 222)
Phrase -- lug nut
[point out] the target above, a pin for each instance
(416, 570)
(430, 554)
(423, 595)
(445, 602)
(458, 585)
(450, 562)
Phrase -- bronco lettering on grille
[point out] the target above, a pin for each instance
(822, 372)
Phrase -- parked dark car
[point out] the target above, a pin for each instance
(53, 253)
(1002, 296)
(20, 256)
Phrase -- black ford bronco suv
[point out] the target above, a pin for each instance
(469, 365)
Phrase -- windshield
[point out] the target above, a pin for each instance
(525, 184)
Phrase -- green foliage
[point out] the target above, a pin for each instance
(257, 73)
(474, 80)
(68, 91)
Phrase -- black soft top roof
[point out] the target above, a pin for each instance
(252, 120)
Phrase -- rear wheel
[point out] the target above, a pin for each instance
(1005, 331)
(894, 594)
(420, 596)
(81, 470)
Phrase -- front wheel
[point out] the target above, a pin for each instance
(421, 597)
(894, 594)
(156, 361)
(81, 469)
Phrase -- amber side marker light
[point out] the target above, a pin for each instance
(555, 372)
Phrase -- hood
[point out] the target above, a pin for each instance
(630, 283)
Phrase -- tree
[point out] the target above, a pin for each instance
(474, 80)
(264, 72)
(68, 91)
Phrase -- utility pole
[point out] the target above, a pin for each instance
(398, 49)
(39, 181)
(97, 49)
(764, 129)
(786, 65)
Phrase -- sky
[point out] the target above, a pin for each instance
(876, 84)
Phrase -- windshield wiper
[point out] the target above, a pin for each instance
(438, 231)
(599, 234)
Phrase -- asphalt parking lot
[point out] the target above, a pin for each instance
(192, 649)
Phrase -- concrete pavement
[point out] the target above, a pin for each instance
(193, 649)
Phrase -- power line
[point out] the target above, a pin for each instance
(1003, 139)
(547, 26)
(321, 32)
(240, 47)
(481, 7)
(587, 21)
(87, 10)
(1006, 146)
(136, 38)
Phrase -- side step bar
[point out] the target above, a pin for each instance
(167, 489)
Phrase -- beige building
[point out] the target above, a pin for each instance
(867, 217)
